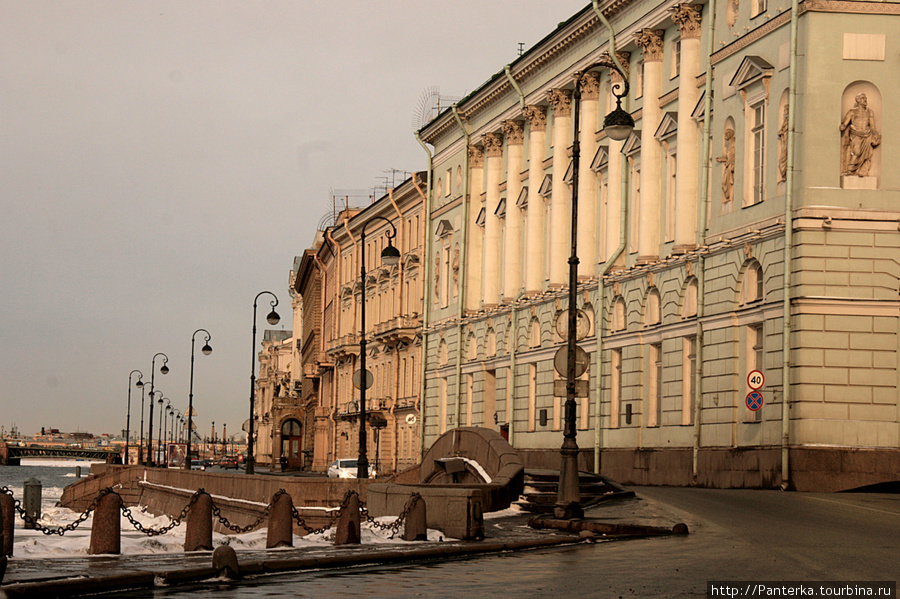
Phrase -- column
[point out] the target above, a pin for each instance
(587, 183)
(534, 252)
(651, 42)
(688, 166)
(473, 252)
(493, 150)
(560, 200)
(614, 189)
(514, 131)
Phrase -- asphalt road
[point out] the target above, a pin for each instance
(736, 535)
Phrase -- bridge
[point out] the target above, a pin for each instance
(11, 454)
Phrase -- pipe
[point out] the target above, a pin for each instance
(510, 408)
(463, 268)
(399, 246)
(515, 85)
(701, 237)
(788, 255)
(612, 36)
(426, 291)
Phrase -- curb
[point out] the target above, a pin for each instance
(142, 580)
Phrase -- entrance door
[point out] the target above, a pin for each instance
(291, 438)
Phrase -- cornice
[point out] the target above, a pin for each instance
(754, 36)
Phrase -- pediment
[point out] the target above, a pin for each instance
(752, 69)
(500, 212)
(444, 228)
(667, 127)
(699, 112)
(570, 174)
(480, 219)
(546, 187)
(601, 159)
(522, 200)
(632, 145)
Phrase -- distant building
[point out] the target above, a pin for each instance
(274, 393)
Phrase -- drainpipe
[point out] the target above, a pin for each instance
(399, 245)
(701, 236)
(463, 268)
(788, 255)
(508, 70)
(426, 292)
(599, 323)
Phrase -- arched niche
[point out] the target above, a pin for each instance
(860, 139)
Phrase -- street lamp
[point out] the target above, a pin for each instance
(390, 256)
(128, 416)
(206, 349)
(159, 441)
(164, 370)
(272, 319)
(618, 126)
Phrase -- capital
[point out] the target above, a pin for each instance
(537, 117)
(514, 132)
(561, 100)
(476, 157)
(688, 18)
(493, 144)
(651, 42)
(590, 86)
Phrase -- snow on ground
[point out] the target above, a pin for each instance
(34, 544)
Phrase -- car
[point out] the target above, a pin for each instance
(229, 462)
(346, 468)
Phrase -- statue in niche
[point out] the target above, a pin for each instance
(437, 279)
(727, 161)
(455, 267)
(782, 146)
(858, 139)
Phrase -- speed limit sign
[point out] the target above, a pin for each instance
(755, 380)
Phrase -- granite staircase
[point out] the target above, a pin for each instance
(541, 487)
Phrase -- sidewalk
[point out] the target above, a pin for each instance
(56, 576)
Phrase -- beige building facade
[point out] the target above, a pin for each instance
(748, 224)
(328, 281)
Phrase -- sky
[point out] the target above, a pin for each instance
(164, 161)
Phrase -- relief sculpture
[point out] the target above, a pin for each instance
(727, 161)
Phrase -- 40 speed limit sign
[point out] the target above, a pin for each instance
(755, 380)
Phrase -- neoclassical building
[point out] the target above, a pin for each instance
(275, 399)
(327, 278)
(749, 223)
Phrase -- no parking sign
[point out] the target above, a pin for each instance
(754, 400)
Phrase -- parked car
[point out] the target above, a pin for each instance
(346, 468)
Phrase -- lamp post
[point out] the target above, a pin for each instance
(141, 385)
(206, 349)
(128, 415)
(618, 126)
(164, 370)
(159, 440)
(390, 256)
(272, 319)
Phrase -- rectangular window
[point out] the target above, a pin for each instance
(635, 209)
(676, 58)
(654, 388)
(532, 396)
(445, 278)
(758, 134)
(470, 382)
(639, 80)
(671, 166)
(447, 182)
(615, 386)
(757, 8)
(688, 371)
(443, 406)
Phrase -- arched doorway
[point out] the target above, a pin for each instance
(291, 439)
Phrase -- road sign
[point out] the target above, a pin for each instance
(754, 400)
(755, 380)
(559, 388)
(357, 378)
(561, 361)
(582, 324)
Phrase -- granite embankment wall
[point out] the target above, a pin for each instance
(241, 498)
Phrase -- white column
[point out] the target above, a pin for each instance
(688, 167)
(588, 198)
(614, 188)
(651, 41)
(512, 254)
(560, 200)
(493, 149)
(473, 252)
(534, 252)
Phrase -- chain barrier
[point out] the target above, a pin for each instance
(316, 531)
(394, 526)
(153, 532)
(234, 527)
(61, 530)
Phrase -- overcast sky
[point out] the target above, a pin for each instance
(164, 161)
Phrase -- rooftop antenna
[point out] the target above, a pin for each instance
(521, 48)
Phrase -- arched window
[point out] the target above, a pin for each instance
(492, 343)
(472, 346)
(444, 353)
(619, 323)
(752, 284)
(689, 303)
(535, 340)
(652, 314)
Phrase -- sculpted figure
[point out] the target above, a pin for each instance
(727, 161)
(782, 146)
(859, 139)
(437, 279)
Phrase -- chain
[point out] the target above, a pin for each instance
(242, 529)
(316, 531)
(61, 530)
(394, 526)
(153, 532)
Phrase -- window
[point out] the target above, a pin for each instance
(532, 396)
(634, 211)
(615, 386)
(654, 388)
(752, 289)
(653, 312)
(676, 58)
(758, 151)
(688, 371)
(671, 166)
(470, 383)
(639, 80)
(535, 333)
(689, 308)
(619, 315)
(757, 8)
(448, 183)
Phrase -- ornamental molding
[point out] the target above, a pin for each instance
(590, 86)
(537, 117)
(688, 17)
(493, 144)
(651, 43)
(561, 100)
(514, 132)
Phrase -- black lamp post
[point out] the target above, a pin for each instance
(618, 126)
(164, 370)
(128, 416)
(206, 349)
(390, 256)
(272, 319)
(160, 455)
(141, 385)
